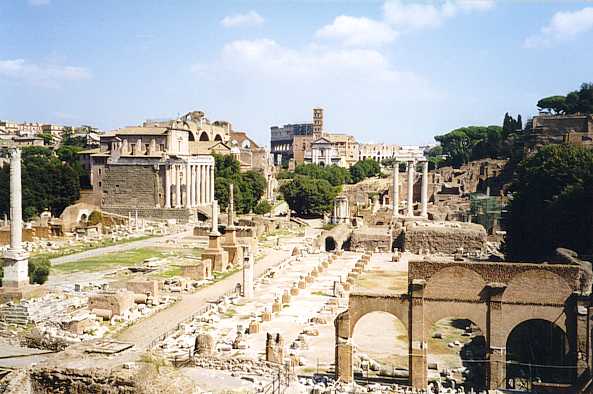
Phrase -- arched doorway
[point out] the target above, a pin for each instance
(204, 136)
(387, 362)
(218, 138)
(330, 244)
(537, 351)
(191, 137)
(459, 346)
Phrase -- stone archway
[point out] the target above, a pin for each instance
(537, 350)
(330, 244)
(204, 136)
(217, 137)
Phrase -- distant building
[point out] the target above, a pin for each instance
(282, 140)
(547, 129)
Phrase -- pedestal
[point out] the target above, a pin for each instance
(16, 270)
(214, 253)
(234, 251)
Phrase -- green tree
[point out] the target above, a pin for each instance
(248, 186)
(556, 104)
(364, 169)
(471, 143)
(47, 183)
(552, 203)
(263, 207)
(309, 197)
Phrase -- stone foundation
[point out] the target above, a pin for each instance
(444, 238)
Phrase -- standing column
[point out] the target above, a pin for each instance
(16, 265)
(214, 231)
(177, 186)
(395, 195)
(411, 165)
(202, 185)
(247, 272)
(211, 183)
(231, 210)
(194, 179)
(167, 186)
(424, 194)
(188, 193)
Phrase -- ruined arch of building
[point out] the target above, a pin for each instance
(330, 244)
(537, 359)
(204, 136)
(476, 292)
(218, 137)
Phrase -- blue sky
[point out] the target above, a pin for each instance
(393, 71)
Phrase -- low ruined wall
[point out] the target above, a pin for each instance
(372, 240)
(182, 215)
(76, 381)
(444, 239)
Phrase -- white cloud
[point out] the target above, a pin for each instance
(357, 32)
(36, 3)
(359, 87)
(46, 75)
(562, 27)
(248, 19)
(416, 16)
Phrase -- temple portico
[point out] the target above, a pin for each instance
(189, 182)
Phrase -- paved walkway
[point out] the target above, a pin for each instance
(119, 248)
(143, 332)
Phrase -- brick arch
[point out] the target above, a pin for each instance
(396, 306)
(527, 286)
(517, 314)
(436, 311)
(455, 283)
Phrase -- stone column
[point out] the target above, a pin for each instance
(247, 273)
(16, 266)
(231, 210)
(410, 208)
(496, 340)
(177, 186)
(167, 186)
(202, 185)
(195, 185)
(188, 193)
(343, 350)
(211, 183)
(417, 343)
(214, 218)
(424, 194)
(395, 195)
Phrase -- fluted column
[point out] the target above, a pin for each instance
(188, 194)
(194, 178)
(424, 193)
(202, 185)
(395, 195)
(177, 187)
(411, 165)
(167, 186)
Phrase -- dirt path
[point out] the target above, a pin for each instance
(119, 248)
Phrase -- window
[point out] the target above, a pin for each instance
(132, 148)
(99, 171)
(99, 183)
(162, 147)
(146, 148)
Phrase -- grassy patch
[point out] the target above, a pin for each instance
(320, 293)
(109, 261)
(221, 275)
(170, 272)
(68, 250)
(230, 313)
